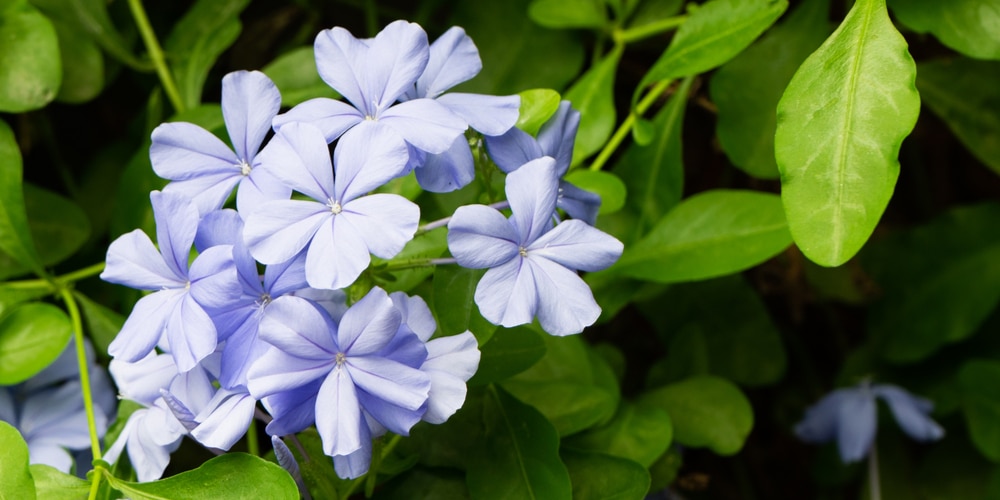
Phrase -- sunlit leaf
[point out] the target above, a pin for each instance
(30, 71)
(706, 411)
(295, 75)
(31, 337)
(593, 96)
(232, 475)
(537, 106)
(568, 13)
(971, 27)
(15, 482)
(640, 433)
(15, 238)
(607, 185)
(596, 475)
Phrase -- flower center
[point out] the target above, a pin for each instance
(265, 299)
(245, 167)
(335, 207)
(523, 251)
(341, 358)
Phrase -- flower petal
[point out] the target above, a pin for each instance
(448, 171)
(480, 237)
(390, 381)
(910, 412)
(191, 334)
(369, 324)
(145, 325)
(142, 380)
(176, 226)
(214, 281)
(182, 150)
(367, 157)
(487, 114)
(532, 191)
(577, 245)
(386, 222)
(557, 135)
(395, 60)
(565, 303)
(281, 229)
(337, 255)
(338, 415)
(355, 464)
(225, 420)
(277, 372)
(249, 103)
(330, 116)
(299, 328)
(506, 295)
(293, 410)
(425, 123)
(512, 149)
(258, 188)
(856, 422)
(451, 362)
(208, 192)
(454, 59)
(133, 261)
(414, 314)
(298, 156)
(578, 203)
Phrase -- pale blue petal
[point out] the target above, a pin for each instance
(512, 149)
(337, 255)
(277, 372)
(451, 362)
(577, 245)
(506, 294)
(176, 225)
(390, 381)
(367, 157)
(293, 410)
(394, 61)
(298, 156)
(225, 419)
(214, 280)
(532, 191)
(448, 171)
(565, 303)
(51, 454)
(182, 150)
(180, 410)
(191, 334)
(356, 464)
(338, 415)
(856, 423)
(144, 326)
(195, 387)
(281, 229)
(242, 349)
(425, 123)
(819, 425)
(487, 114)
(454, 59)
(389, 416)
(208, 192)
(142, 380)
(414, 314)
(334, 302)
(340, 59)
(286, 277)
(557, 135)
(249, 103)
(578, 203)
(218, 227)
(331, 117)
(258, 188)
(155, 436)
(386, 222)
(480, 237)
(134, 261)
(369, 324)
(300, 329)
(910, 412)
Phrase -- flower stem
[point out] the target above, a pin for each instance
(156, 54)
(647, 30)
(252, 447)
(55, 284)
(874, 488)
(416, 263)
(626, 126)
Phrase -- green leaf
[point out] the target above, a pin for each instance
(53, 484)
(596, 475)
(640, 433)
(15, 237)
(572, 387)
(82, 64)
(537, 106)
(11, 296)
(454, 304)
(971, 27)
(980, 383)
(608, 185)
(316, 468)
(58, 229)
(519, 455)
(15, 482)
(593, 96)
(425, 483)
(426, 246)
(101, 324)
(652, 11)
(31, 337)
(295, 75)
(197, 40)
(962, 93)
(507, 353)
(233, 475)
(30, 72)
(942, 293)
(712, 35)
(710, 234)
(840, 124)
(719, 327)
(91, 17)
(706, 411)
(746, 90)
(509, 48)
(568, 13)
(654, 173)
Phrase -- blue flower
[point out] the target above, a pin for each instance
(174, 315)
(204, 168)
(531, 263)
(848, 416)
(341, 226)
(556, 137)
(372, 75)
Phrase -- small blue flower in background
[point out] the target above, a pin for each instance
(555, 139)
(174, 315)
(532, 263)
(203, 168)
(849, 416)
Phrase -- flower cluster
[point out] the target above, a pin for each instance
(216, 335)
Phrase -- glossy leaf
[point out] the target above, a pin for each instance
(746, 90)
(58, 229)
(568, 13)
(507, 353)
(640, 433)
(596, 475)
(648, 12)
(11, 296)
(593, 96)
(31, 337)
(15, 238)
(654, 173)
(519, 455)
(100, 323)
(971, 27)
(574, 388)
(82, 64)
(197, 40)
(710, 234)
(91, 17)
(30, 71)
(232, 475)
(53, 484)
(606, 184)
(942, 293)
(962, 93)
(980, 383)
(15, 482)
(537, 106)
(706, 411)
(840, 124)
(295, 75)
(714, 34)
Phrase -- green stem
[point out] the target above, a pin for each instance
(156, 54)
(875, 489)
(371, 17)
(626, 126)
(80, 274)
(252, 447)
(55, 284)
(402, 264)
(81, 360)
(647, 30)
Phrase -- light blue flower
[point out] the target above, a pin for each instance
(532, 263)
(849, 417)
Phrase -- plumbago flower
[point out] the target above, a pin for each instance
(372, 75)
(848, 416)
(341, 227)
(204, 168)
(175, 313)
(531, 263)
(555, 139)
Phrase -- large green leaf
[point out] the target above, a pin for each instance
(971, 27)
(746, 90)
(710, 234)
(232, 475)
(519, 454)
(12, 295)
(596, 475)
(593, 96)
(30, 71)
(509, 352)
(53, 484)
(91, 17)
(840, 124)
(654, 173)
(980, 383)
(706, 411)
(640, 433)
(607, 185)
(295, 75)
(58, 229)
(454, 304)
(31, 337)
(15, 482)
(101, 324)
(82, 64)
(197, 40)
(714, 34)
(963, 92)
(568, 13)
(941, 293)
(15, 237)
